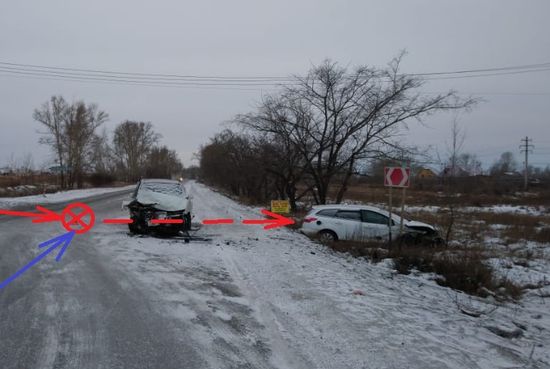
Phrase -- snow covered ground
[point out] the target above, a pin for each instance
(512, 209)
(275, 299)
(57, 197)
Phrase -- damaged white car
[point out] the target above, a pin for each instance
(159, 205)
(358, 223)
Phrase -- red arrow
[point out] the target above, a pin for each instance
(43, 216)
(278, 221)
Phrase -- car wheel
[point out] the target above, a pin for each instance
(132, 227)
(408, 239)
(328, 236)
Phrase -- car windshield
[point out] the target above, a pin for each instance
(163, 187)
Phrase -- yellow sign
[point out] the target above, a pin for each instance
(280, 206)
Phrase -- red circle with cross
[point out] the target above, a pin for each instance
(78, 218)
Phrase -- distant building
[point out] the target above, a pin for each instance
(58, 169)
(425, 173)
(457, 171)
(5, 171)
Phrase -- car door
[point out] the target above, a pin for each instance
(375, 225)
(349, 223)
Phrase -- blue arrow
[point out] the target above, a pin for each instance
(64, 241)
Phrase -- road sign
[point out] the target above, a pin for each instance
(78, 218)
(280, 206)
(397, 177)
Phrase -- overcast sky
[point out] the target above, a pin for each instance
(277, 38)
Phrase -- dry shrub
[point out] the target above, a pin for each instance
(524, 220)
(372, 250)
(542, 235)
(516, 234)
(460, 270)
(28, 179)
(507, 287)
(465, 272)
(408, 258)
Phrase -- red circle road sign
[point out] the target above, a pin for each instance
(78, 218)
(397, 177)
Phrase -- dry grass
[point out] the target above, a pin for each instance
(433, 194)
(374, 251)
(33, 179)
(464, 270)
(511, 219)
(461, 268)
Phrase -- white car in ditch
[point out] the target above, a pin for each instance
(361, 223)
(161, 205)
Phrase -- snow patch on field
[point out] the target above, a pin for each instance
(500, 209)
(62, 196)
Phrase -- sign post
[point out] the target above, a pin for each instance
(390, 220)
(396, 177)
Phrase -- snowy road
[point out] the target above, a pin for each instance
(247, 298)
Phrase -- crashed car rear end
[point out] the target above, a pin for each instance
(159, 205)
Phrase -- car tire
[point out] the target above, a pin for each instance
(327, 236)
(408, 239)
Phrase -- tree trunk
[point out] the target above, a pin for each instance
(344, 186)
(291, 194)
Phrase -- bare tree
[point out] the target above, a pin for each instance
(282, 158)
(458, 136)
(470, 163)
(81, 122)
(101, 155)
(506, 163)
(334, 118)
(52, 115)
(133, 142)
(27, 165)
(237, 163)
(163, 163)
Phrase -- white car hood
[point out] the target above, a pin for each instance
(162, 201)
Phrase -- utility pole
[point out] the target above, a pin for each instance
(526, 147)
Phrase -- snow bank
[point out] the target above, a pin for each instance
(513, 209)
(62, 196)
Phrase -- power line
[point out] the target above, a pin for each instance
(528, 66)
(545, 66)
(490, 74)
(495, 93)
(93, 77)
(108, 82)
(66, 70)
(192, 80)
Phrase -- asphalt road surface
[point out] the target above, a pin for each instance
(81, 312)
(122, 301)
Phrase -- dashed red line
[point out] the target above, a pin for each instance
(118, 221)
(167, 221)
(218, 221)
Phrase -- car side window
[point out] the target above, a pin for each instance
(328, 212)
(374, 217)
(349, 214)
